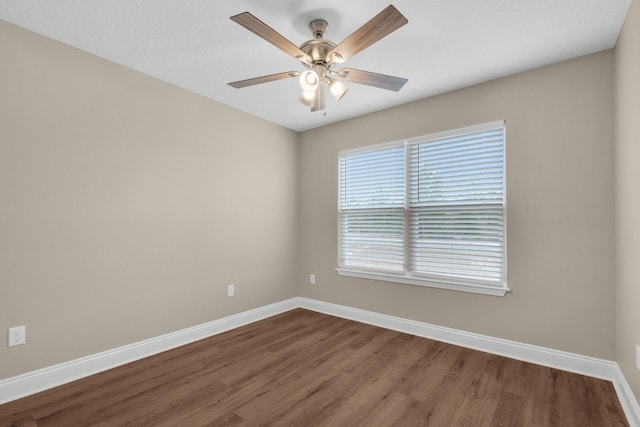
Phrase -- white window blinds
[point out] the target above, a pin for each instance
(371, 209)
(456, 203)
(428, 210)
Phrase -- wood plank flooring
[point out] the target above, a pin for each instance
(307, 368)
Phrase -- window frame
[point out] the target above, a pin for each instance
(413, 278)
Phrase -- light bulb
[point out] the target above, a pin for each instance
(309, 81)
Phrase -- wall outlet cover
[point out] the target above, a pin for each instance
(638, 357)
(17, 336)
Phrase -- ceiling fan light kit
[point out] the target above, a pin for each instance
(319, 55)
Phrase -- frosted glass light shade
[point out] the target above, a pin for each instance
(309, 81)
(307, 97)
(338, 89)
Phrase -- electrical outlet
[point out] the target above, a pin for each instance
(638, 357)
(312, 279)
(17, 336)
(231, 290)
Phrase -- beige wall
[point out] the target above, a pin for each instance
(128, 205)
(559, 201)
(627, 186)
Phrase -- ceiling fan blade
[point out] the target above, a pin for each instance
(264, 79)
(381, 25)
(261, 29)
(381, 81)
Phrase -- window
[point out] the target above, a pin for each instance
(427, 211)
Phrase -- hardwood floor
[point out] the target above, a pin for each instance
(306, 368)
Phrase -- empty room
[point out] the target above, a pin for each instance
(320, 213)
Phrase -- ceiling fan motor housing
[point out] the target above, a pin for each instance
(317, 50)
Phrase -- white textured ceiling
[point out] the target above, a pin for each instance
(445, 46)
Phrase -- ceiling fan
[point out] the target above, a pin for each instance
(319, 55)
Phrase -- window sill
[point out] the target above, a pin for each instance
(420, 281)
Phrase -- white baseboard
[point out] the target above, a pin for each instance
(42, 379)
(627, 398)
(571, 362)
